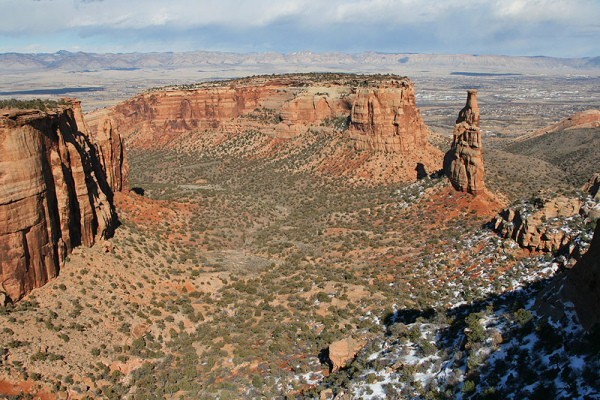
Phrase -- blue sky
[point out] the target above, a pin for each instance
(563, 28)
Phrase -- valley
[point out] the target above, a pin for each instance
(272, 226)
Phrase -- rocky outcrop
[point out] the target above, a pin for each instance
(463, 164)
(387, 119)
(111, 154)
(383, 113)
(364, 127)
(541, 225)
(54, 193)
(583, 284)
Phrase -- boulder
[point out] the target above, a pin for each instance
(343, 351)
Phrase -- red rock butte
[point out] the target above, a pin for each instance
(377, 114)
(387, 119)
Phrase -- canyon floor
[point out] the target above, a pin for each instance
(231, 275)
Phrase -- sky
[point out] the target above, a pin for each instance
(560, 28)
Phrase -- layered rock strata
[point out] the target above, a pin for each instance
(381, 114)
(54, 193)
(463, 164)
(370, 126)
(112, 157)
(387, 119)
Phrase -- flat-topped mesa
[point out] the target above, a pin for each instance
(463, 164)
(54, 194)
(376, 113)
(387, 119)
(383, 113)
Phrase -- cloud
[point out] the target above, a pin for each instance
(509, 26)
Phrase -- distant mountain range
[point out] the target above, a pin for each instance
(82, 62)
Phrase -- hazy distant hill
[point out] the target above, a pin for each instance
(80, 61)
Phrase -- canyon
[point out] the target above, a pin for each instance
(291, 236)
(62, 169)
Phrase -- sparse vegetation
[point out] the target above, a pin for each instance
(233, 274)
(34, 104)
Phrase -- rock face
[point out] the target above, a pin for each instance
(313, 107)
(112, 158)
(54, 193)
(583, 284)
(363, 127)
(387, 119)
(531, 227)
(156, 119)
(540, 226)
(463, 164)
(383, 114)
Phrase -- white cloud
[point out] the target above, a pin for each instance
(60, 14)
(443, 21)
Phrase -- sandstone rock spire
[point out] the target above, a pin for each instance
(463, 164)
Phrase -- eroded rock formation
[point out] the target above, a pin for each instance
(372, 130)
(312, 107)
(383, 113)
(463, 164)
(54, 193)
(539, 226)
(387, 119)
(111, 155)
(583, 284)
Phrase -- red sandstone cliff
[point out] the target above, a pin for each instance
(54, 193)
(463, 164)
(377, 115)
(282, 108)
(387, 119)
